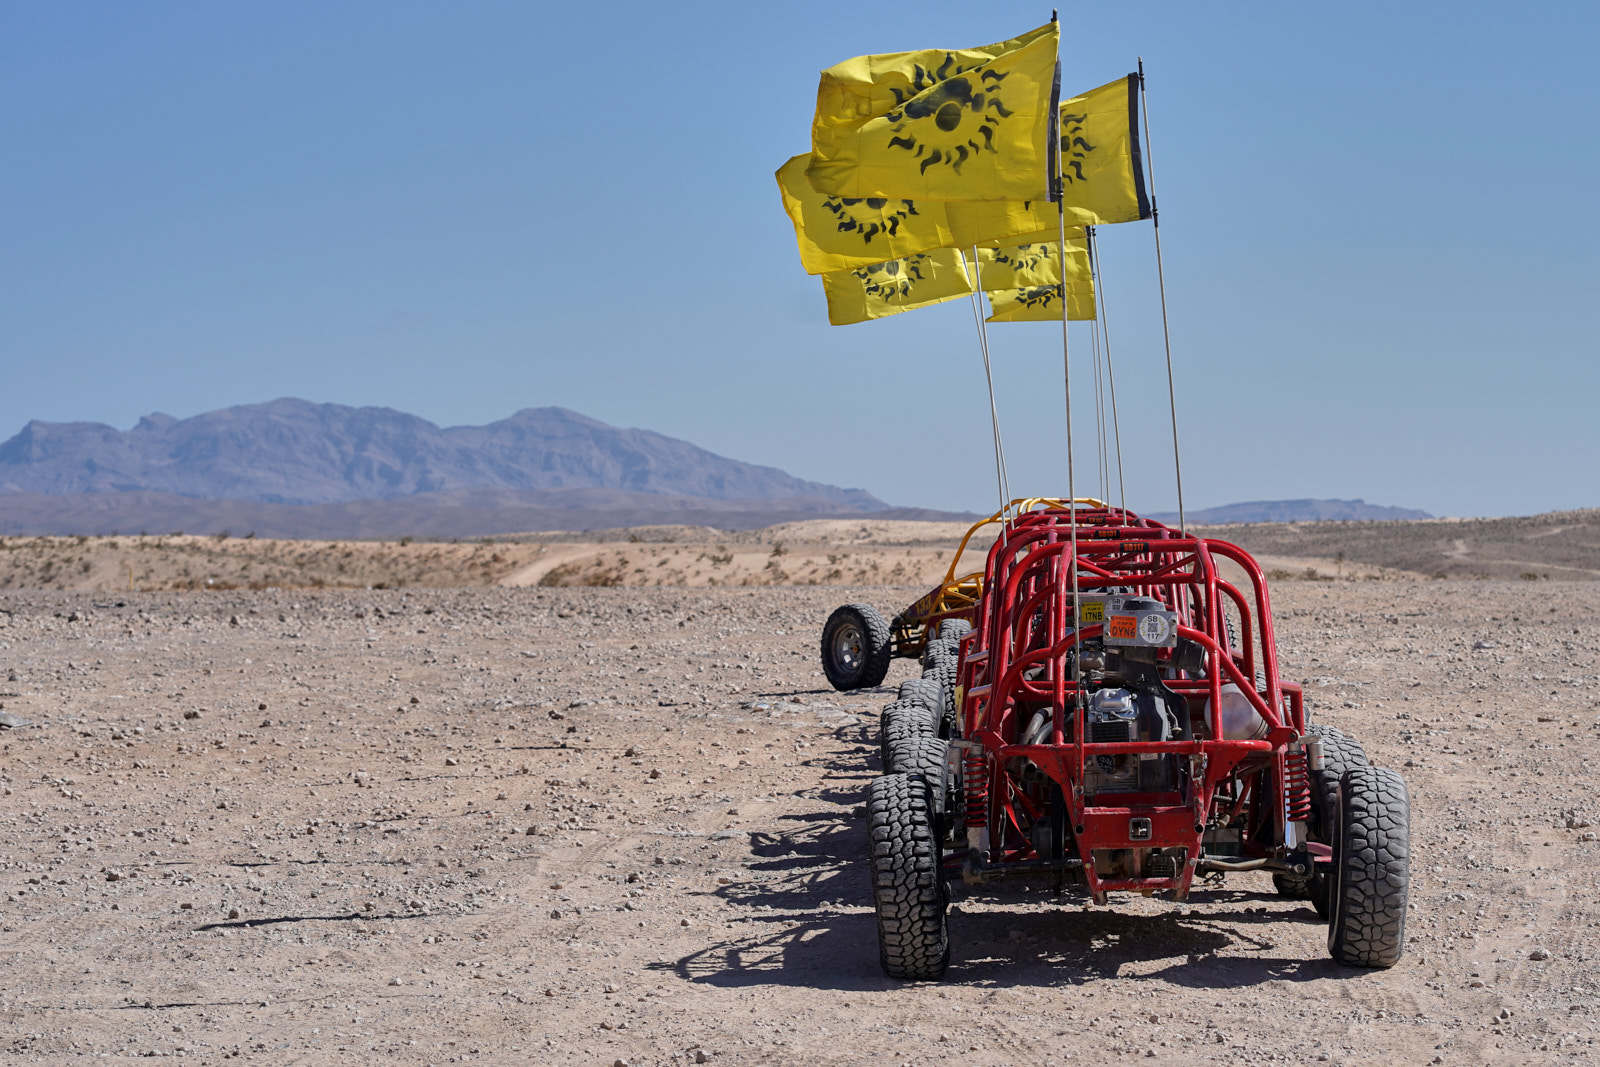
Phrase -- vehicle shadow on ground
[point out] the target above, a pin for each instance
(1072, 945)
(806, 911)
(806, 915)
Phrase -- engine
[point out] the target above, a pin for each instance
(1121, 714)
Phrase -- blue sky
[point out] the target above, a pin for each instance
(1378, 222)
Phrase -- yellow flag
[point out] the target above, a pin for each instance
(1042, 303)
(981, 222)
(967, 124)
(1028, 265)
(1102, 174)
(896, 286)
(839, 233)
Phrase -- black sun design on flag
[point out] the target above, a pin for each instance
(892, 280)
(1074, 149)
(1038, 296)
(867, 215)
(1025, 257)
(946, 113)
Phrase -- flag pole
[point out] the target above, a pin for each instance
(1072, 488)
(1161, 278)
(988, 376)
(1102, 467)
(1111, 377)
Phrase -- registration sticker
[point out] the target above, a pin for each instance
(1123, 628)
(1154, 629)
(1093, 611)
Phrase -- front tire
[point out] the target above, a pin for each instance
(856, 647)
(908, 889)
(903, 721)
(1372, 869)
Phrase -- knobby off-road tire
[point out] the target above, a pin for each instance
(903, 720)
(921, 757)
(946, 671)
(936, 697)
(924, 757)
(1340, 753)
(939, 648)
(908, 889)
(957, 628)
(1372, 869)
(856, 646)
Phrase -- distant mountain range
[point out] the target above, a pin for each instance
(1293, 511)
(294, 452)
(291, 468)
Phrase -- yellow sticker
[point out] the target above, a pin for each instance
(1094, 611)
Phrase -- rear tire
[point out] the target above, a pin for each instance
(1372, 869)
(908, 890)
(1292, 886)
(856, 646)
(957, 628)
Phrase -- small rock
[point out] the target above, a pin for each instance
(1539, 954)
(451, 761)
(233, 913)
(701, 1056)
(654, 773)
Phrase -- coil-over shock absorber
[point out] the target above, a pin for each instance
(1296, 785)
(975, 788)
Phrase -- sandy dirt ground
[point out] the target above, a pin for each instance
(829, 552)
(584, 826)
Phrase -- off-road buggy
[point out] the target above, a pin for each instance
(1107, 713)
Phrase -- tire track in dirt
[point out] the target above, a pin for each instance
(550, 557)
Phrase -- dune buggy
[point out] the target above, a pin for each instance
(1108, 714)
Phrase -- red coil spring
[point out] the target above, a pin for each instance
(975, 783)
(1296, 786)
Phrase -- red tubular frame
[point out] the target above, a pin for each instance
(1025, 620)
